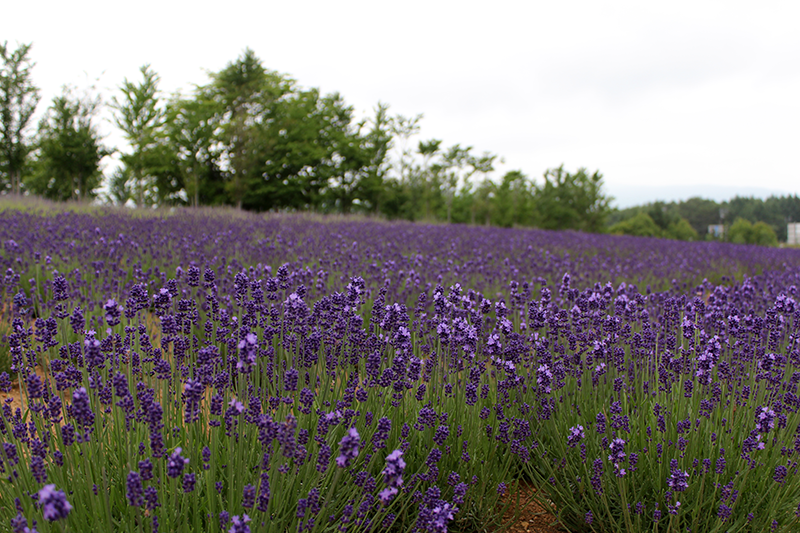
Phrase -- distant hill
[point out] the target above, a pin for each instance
(633, 195)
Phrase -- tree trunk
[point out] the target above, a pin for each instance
(139, 188)
(14, 174)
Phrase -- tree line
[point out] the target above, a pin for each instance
(744, 219)
(255, 139)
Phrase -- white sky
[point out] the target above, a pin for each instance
(669, 94)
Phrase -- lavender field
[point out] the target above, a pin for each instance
(206, 371)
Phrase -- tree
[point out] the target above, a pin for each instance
(119, 186)
(483, 202)
(244, 92)
(700, 213)
(740, 232)
(18, 101)
(453, 173)
(274, 145)
(399, 200)
(572, 201)
(141, 118)
(513, 201)
(359, 163)
(306, 152)
(764, 235)
(69, 150)
(190, 129)
(681, 230)
(640, 225)
(377, 142)
(743, 232)
(429, 179)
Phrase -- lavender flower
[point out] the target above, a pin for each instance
(348, 448)
(189, 481)
(765, 420)
(440, 516)
(175, 463)
(249, 496)
(392, 475)
(37, 469)
(724, 512)
(239, 524)
(193, 391)
(290, 380)
(263, 493)
(780, 474)
(54, 503)
(617, 454)
(81, 409)
(576, 434)
(678, 480)
(381, 433)
(151, 498)
(135, 490)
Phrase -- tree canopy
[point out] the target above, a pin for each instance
(256, 139)
(18, 101)
(68, 150)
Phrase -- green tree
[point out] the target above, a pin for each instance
(377, 143)
(681, 230)
(399, 198)
(429, 176)
(764, 235)
(359, 163)
(190, 129)
(672, 225)
(244, 92)
(69, 150)
(514, 201)
(700, 213)
(740, 232)
(477, 166)
(307, 147)
(572, 201)
(743, 232)
(18, 101)
(662, 215)
(484, 208)
(787, 209)
(272, 145)
(140, 116)
(640, 225)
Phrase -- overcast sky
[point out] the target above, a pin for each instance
(665, 99)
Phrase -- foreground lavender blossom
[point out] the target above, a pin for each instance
(348, 448)
(392, 475)
(239, 524)
(54, 503)
(213, 364)
(134, 490)
(176, 463)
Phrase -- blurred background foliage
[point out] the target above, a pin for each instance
(256, 140)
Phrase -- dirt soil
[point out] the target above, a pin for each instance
(533, 518)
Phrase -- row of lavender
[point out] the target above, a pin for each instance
(291, 374)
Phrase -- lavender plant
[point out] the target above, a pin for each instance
(284, 373)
